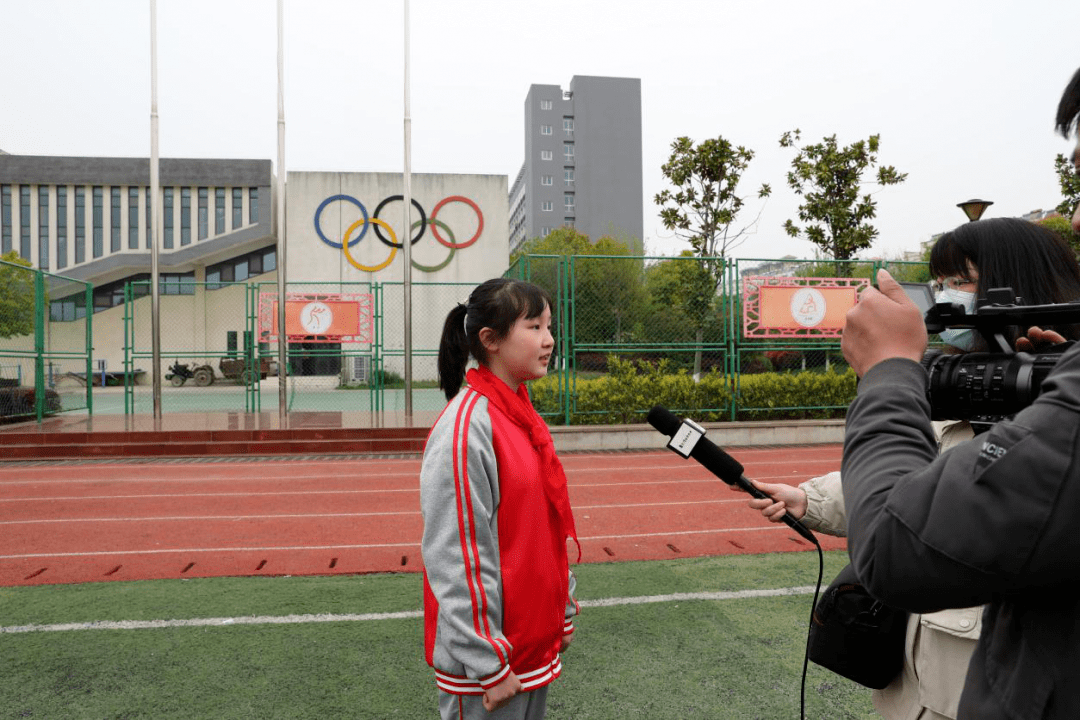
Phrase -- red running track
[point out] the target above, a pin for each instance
(68, 523)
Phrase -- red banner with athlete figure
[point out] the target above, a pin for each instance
(777, 307)
(319, 317)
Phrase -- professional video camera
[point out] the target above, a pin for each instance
(985, 387)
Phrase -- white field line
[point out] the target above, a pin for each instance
(371, 546)
(298, 516)
(368, 617)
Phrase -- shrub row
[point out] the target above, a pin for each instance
(627, 392)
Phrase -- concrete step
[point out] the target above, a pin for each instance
(212, 443)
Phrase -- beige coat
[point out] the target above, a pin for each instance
(939, 645)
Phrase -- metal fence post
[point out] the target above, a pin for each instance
(39, 344)
(89, 290)
(566, 331)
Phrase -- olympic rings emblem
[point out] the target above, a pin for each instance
(374, 221)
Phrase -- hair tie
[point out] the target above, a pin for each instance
(465, 319)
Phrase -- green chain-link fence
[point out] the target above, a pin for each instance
(45, 345)
(630, 332)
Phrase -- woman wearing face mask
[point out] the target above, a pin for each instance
(1003, 252)
(965, 263)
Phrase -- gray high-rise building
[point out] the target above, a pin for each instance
(582, 161)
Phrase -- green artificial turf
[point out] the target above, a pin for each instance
(732, 658)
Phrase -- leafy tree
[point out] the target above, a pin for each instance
(682, 295)
(829, 179)
(560, 241)
(16, 297)
(608, 292)
(1062, 227)
(702, 209)
(705, 202)
(1069, 180)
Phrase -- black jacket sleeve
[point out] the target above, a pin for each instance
(991, 517)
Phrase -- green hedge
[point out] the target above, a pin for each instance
(627, 392)
(828, 393)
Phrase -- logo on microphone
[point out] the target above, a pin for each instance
(686, 437)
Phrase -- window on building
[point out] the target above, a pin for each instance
(568, 125)
(185, 216)
(167, 217)
(61, 227)
(43, 227)
(545, 129)
(547, 206)
(204, 217)
(99, 222)
(544, 231)
(568, 202)
(545, 104)
(149, 213)
(237, 208)
(241, 267)
(568, 176)
(545, 155)
(110, 295)
(176, 283)
(68, 309)
(133, 218)
(568, 150)
(253, 205)
(114, 220)
(219, 211)
(568, 222)
(24, 221)
(546, 179)
(5, 219)
(80, 224)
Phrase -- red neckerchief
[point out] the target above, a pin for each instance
(519, 408)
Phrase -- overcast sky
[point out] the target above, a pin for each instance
(962, 93)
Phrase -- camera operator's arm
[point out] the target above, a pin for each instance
(991, 516)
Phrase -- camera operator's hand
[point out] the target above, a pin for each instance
(1038, 339)
(884, 324)
(783, 500)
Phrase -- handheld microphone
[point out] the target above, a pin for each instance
(688, 439)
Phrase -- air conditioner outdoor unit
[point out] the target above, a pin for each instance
(359, 368)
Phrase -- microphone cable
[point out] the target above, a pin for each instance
(809, 627)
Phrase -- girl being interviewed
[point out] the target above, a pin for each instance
(498, 591)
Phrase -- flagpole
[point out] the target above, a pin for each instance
(155, 227)
(406, 239)
(282, 337)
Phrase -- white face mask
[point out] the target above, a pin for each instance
(961, 338)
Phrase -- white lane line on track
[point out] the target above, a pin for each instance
(580, 486)
(370, 546)
(369, 617)
(49, 477)
(295, 516)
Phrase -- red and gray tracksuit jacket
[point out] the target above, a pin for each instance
(498, 591)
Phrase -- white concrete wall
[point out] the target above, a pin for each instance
(311, 260)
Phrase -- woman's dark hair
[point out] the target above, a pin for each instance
(1068, 112)
(1009, 252)
(496, 304)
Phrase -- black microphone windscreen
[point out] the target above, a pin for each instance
(719, 462)
(663, 420)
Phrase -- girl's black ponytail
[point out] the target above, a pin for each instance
(453, 352)
(495, 304)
